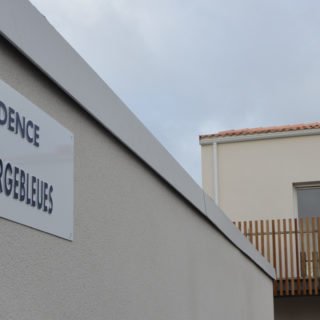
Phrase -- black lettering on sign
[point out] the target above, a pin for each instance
(22, 193)
(18, 124)
(23, 187)
(3, 114)
(45, 197)
(11, 119)
(39, 194)
(8, 179)
(36, 136)
(50, 200)
(1, 172)
(15, 183)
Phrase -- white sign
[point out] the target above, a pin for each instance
(36, 166)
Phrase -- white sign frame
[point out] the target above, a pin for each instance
(45, 152)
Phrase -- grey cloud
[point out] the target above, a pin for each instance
(190, 67)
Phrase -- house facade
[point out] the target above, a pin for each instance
(267, 180)
(263, 173)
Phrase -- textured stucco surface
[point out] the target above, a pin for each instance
(256, 177)
(139, 250)
(301, 308)
(207, 169)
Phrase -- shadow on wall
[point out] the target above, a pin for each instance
(302, 308)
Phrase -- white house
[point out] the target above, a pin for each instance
(267, 180)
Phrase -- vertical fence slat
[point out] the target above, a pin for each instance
(308, 256)
(303, 259)
(314, 256)
(250, 232)
(280, 258)
(268, 241)
(245, 229)
(262, 237)
(274, 253)
(256, 232)
(296, 237)
(285, 253)
(291, 257)
(240, 226)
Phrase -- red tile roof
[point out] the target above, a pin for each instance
(243, 132)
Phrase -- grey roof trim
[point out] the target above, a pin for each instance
(26, 28)
(260, 136)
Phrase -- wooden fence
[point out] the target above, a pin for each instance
(292, 247)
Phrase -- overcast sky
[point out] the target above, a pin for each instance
(188, 67)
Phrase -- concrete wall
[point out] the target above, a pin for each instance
(302, 308)
(256, 177)
(140, 251)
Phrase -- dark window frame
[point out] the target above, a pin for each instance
(303, 208)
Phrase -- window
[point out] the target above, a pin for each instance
(308, 198)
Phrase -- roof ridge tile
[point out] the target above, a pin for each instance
(260, 130)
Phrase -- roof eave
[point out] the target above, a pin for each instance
(259, 136)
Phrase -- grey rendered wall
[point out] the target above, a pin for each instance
(302, 308)
(140, 251)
